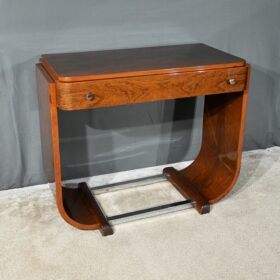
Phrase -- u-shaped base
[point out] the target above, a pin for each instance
(214, 172)
(207, 180)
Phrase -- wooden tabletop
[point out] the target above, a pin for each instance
(92, 65)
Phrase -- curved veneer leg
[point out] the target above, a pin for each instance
(77, 206)
(212, 175)
(81, 206)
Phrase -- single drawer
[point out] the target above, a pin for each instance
(121, 91)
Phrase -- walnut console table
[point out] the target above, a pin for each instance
(88, 80)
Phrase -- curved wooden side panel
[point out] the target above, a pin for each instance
(77, 206)
(214, 172)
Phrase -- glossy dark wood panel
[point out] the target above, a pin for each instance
(139, 61)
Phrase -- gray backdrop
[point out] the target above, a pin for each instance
(114, 139)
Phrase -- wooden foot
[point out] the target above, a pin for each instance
(187, 189)
(82, 207)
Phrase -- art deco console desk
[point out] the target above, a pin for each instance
(89, 80)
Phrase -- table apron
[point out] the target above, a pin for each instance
(130, 90)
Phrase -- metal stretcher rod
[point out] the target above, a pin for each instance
(147, 210)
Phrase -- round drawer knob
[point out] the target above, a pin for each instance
(90, 96)
(232, 82)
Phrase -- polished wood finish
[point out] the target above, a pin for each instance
(143, 75)
(81, 206)
(123, 91)
(215, 171)
(88, 66)
(77, 206)
(188, 190)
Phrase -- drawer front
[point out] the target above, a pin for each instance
(121, 91)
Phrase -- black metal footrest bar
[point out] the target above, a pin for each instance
(144, 181)
(137, 214)
(148, 210)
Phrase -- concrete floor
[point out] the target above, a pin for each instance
(239, 239)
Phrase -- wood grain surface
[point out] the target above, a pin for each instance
(216, 168)
(92, 65)
(77, 205)
(122, 91)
